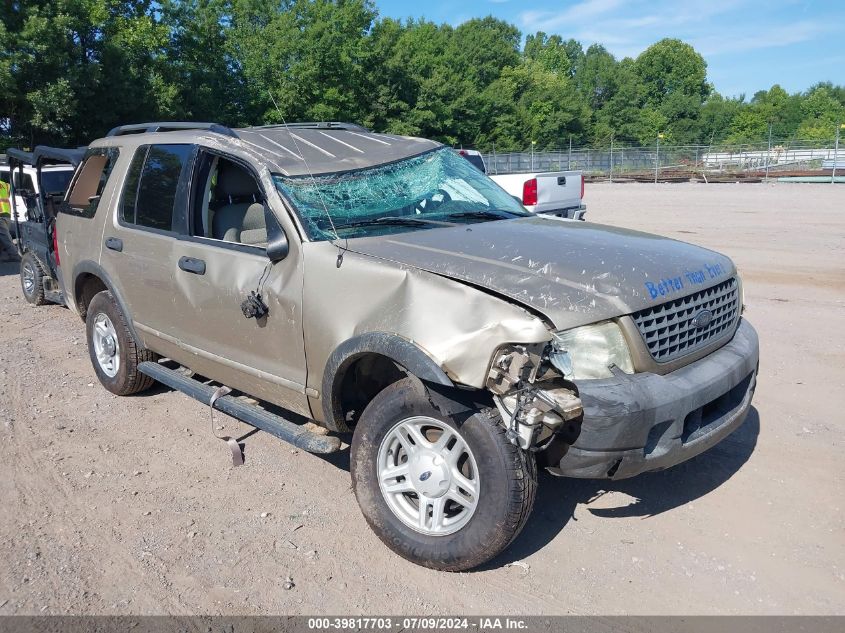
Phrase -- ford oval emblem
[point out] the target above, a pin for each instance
(425, 475)
(702, 319)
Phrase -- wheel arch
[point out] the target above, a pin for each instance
(89, 278)
(380, 354)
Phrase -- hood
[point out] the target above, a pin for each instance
(571, 272)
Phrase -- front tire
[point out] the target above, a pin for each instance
(114, 352)
(32, 282)
(443, 490)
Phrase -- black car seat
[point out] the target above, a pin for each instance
(239, 213)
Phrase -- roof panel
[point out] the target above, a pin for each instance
(299, 151)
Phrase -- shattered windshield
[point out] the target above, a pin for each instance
(432, 190)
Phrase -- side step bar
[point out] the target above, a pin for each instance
(249, 413)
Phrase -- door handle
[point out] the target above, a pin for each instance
(114, 244)
(561, 180)
(192, 265)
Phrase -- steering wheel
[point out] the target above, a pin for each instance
(431, 204)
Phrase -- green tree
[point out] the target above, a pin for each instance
(71, 69)
(531, 103)
(305, 55)
(717, 114)
(208, 84)
(548, 51)
(596, 76)
(625, 114)
(674, 78)
(80, 67)
(822, 111)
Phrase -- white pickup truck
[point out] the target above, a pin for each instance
(559, 193)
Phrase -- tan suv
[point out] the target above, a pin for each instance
(382, 285)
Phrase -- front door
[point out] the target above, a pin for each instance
(218, 262)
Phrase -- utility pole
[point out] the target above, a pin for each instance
(569, 162)
(835, 153)
(768, 152)
(533, 143)
(657, 157)
(611, 157)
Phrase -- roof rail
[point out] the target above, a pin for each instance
(317, 125)
(169, 126)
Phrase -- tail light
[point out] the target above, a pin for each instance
(529, 192)
(582, 186)
(56, 245)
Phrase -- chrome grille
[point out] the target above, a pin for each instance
(668, 329)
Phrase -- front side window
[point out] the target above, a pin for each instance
(438, 188)
(150, 190)
(89, 182)
(228, 203)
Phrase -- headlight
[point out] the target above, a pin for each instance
(587, 352)
(741, 293)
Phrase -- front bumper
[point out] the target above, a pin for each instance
(645, 422)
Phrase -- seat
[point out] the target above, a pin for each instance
(241, 217)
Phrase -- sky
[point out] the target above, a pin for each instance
(748, 45)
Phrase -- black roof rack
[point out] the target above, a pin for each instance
(316, 125)
(169, 126)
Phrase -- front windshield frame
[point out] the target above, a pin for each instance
(373, 197)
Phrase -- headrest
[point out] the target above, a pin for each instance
(235, 181)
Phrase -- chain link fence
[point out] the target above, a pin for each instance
(666, 162)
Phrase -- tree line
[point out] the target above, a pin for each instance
(72, 69)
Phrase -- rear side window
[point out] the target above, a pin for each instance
(89, 182)
(150, 191)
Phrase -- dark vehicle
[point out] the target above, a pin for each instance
(41, 280)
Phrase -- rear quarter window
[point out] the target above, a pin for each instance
(89, 181)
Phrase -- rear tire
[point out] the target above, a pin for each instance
(32, 282)
(497, 479)
(114, 352)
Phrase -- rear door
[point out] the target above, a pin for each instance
(138, 239)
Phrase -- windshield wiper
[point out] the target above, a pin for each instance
(394, 221)
(493, 214)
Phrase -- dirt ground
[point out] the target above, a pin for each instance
(129, 505)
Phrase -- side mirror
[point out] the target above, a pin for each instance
(278, 247)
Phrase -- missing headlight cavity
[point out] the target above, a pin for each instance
(533, 399)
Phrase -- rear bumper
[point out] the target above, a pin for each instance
(645, 422)
(573, 213)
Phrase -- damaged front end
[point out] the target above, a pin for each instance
(538, 406)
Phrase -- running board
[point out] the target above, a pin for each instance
(249, 413)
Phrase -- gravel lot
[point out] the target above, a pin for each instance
(129, 505)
